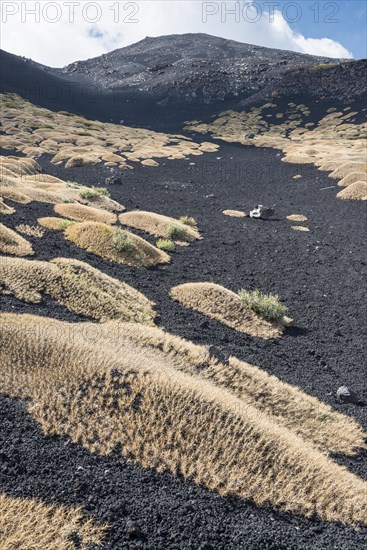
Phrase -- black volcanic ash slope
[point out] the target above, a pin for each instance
(190, 68)
(177, 77)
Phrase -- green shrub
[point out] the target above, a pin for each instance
(187, 220)
(67, 200)
(166, 245)
(267, 306)
(64, 224)
(94, 193)
(176, 233)
(122, 242)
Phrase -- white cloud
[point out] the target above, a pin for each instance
(99, 27)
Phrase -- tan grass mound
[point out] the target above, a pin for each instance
(235, 213)
(98, 239)
(76, 285)
(81, 213)
(159, 225)
(14, 244)
(356, 191)
(5, 209)
(300, 228)
(352, 178)
(41, 195)
(134, 396)
(19, 166)
(28, 524)
(219, 303)
(149, 162)
(14, 195)
(297, 218)
(348, 168)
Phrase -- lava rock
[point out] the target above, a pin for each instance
(345, 395)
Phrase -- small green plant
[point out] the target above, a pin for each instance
(176, 233)
(166, 245)
(67, 200)
(267, 306)
(324, 417)
(64, 224)
(187, 220)
(94, 193)
(122, 241)
(73, 185)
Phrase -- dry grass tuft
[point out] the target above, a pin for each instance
(81, 213)
(297, 218)
(159, 226)
(54, 224)
(98, 238)
(14, 244)
(30, 230)
(76, 285)
(28, 524)
(150, 394)
(300, 228)
(235, 213)
(355, 191)
(188, 220)
(219, 303)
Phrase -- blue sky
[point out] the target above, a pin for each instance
(343, 21)
(318, 27)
